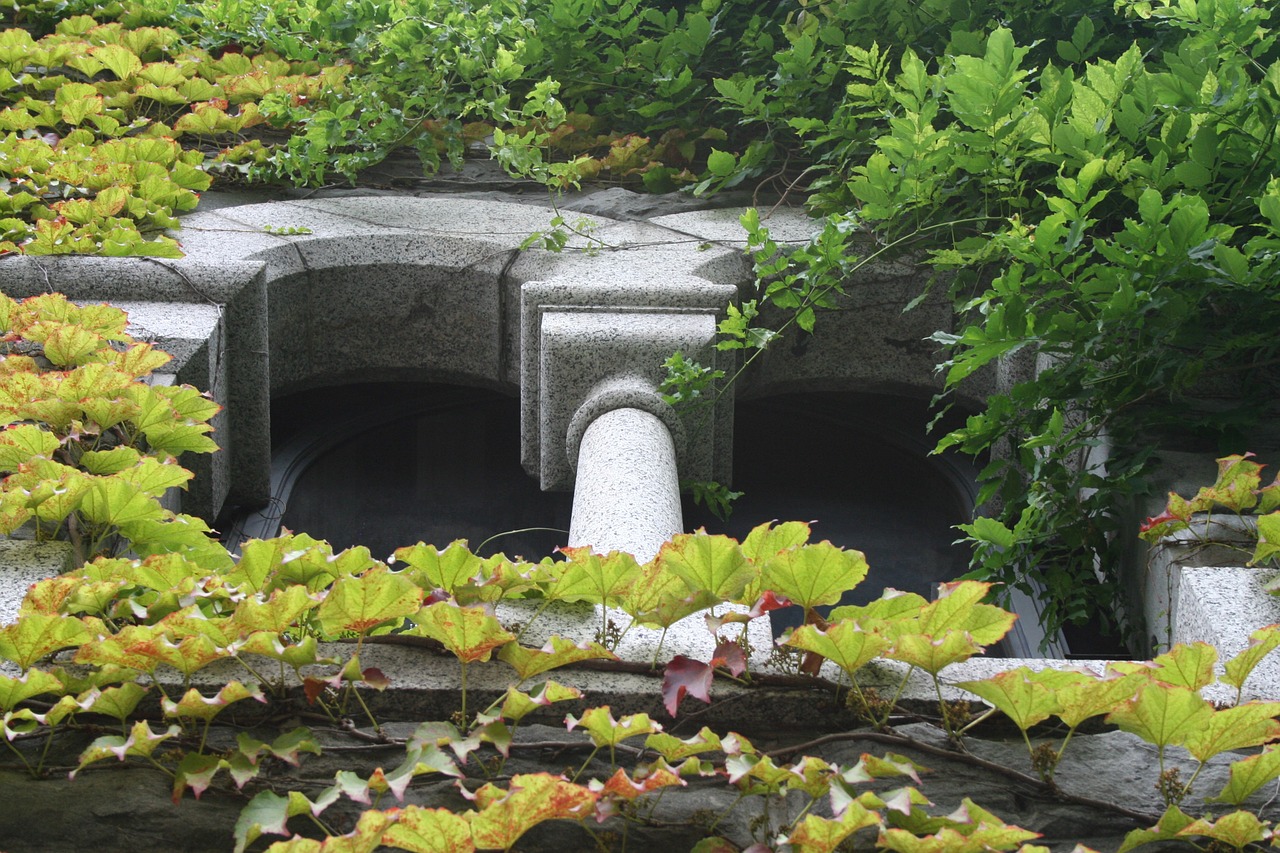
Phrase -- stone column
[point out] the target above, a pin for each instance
(627, 496)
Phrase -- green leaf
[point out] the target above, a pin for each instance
(1248, 725)
(1261, 643)
(813, 575)
(19, 443)
(604, 730)
(116, 502)
(40, 634)
(1162, 715)
(193, 705)
(1189, 666)
(959, 608)
(141, 742)
(503, 816)
(824, 835)
(1248, 775)
(449, 569)
(721, 163)
(518, 705)
(712, 564)
(932, 653)
(673, 749)
(468, 632)
(33, 682)
(844, 643)
(557, 652)
(595, 578)
(1017, 695)
(1172, 822)
(428, 830)
(362, 603)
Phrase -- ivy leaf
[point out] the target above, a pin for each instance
(1087, 697)
(1248, 775)
(503, 816)
(1189, 666)
(115, 502)
(427, 830)
(647, 779)
(277, 614)
(268, 813)
(674, 750)
(588, 576)
(659, 598)
(1261, 643)
(518, 705)
(196, 771)
(1172, 822)
(468, 632)
(117, 702)
(712, 564)
(449, 569)
(1248, 725)
(812, 575)
(604, 730)
(959, 608)
(1162, 715)
(844, 643)
(195, 706)
(362, 603)
(32, 682)
(557, 652)
(933, 653)
(19, 443)
(141, 742)
(1236, 830)
(685, 675)
(40, 634)
(1024, 701)
(824, 835)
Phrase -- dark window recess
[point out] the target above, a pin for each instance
(389, 465)
(856, 466)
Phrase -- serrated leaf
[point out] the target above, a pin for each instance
(844, 643)
(33, 682)
(813, 575)
(1261, 643)
(595, 578)
(19, 443)
(428, 830)
(504, 816)
(931, 653)
(468, 632)
(604, 730)
(712, 564)
(1024, 701)
(647, 779)
(1248, 775)
(40, 634)
(1162, 715)
(141, 742)
(194, 705)
(362, 603)
(673, 749)
(517, 705)
(557, 652)
(959, 607)
(115, 502)
(824, 835)
(684, 675)
(1189, 666)
(1248, 725)
(1173, 821)
(448, 569)
(196, 771)
(117, 702)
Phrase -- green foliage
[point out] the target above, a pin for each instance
(88, 446)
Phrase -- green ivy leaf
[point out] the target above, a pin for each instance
(1017, 695)
(844, 643)
(363, 603)
(1162, 715)
(428, 830)
(1248, 775)
(812, 575)
(1248, 725)
(517, 705)
(557, 652)
(468, 632)
(604, 730)
(1261, 643)
(712, 564)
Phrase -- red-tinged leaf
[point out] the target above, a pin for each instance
(426, 830)
(1237, 830)
(196, 771)
(1092, 696)
(659, 598)
(959, 607)
(823, 835)
(685, 675)
(556, 653)
(933, 654)
(504, 816)
(813, 575)
(646, 780)
(756, 774)
(314, 688)
(362, 603)
(365, 838)
(117, 702)
(278, 613)
(19, 443)
(604, 730)
(141, 742)
(468, 632)
(268, 813)
(375, 678)
(1248, 775)
(729, 655)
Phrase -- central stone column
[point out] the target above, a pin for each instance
(628, 491)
